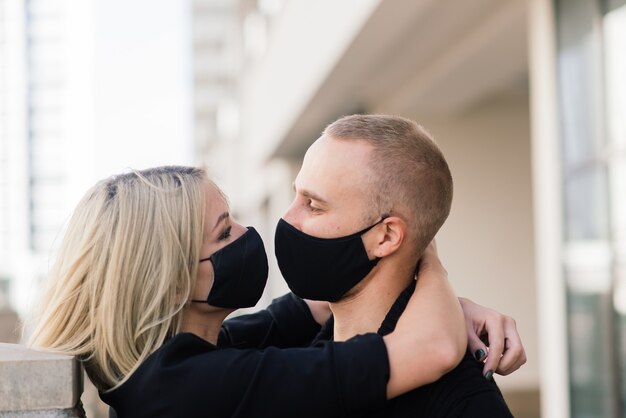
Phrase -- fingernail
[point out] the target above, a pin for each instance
(489, 374)
(479, 354)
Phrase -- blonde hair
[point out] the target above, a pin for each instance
(408, 172)
(125, 269)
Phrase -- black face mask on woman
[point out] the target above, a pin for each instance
(240, 272)
(321, 268)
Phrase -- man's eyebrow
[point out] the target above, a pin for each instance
(311, 195)
(220, 218)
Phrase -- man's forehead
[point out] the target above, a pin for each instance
(332, 168)
(336, 153)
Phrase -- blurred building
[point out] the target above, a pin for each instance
(12, 131)
(45, 117)
(216, 38)
(526, 99)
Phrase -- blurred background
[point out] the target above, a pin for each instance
(527, 99)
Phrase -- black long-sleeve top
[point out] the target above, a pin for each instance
(248, 375)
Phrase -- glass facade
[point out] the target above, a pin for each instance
(591, 65)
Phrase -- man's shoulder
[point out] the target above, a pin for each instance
(463, 392)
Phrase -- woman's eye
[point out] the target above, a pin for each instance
(226, 234)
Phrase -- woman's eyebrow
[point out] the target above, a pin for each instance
(220, 218)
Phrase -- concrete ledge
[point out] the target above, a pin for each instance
(47, 413)
(38, 384)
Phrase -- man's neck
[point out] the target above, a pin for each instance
(365, 310)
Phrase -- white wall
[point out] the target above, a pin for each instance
(487, 243)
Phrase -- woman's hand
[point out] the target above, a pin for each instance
(493, 338)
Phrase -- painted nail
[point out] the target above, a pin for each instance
(489, 374)
(479, 354)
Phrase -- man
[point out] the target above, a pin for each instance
(372, 193)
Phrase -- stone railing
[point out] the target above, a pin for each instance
(38, 384)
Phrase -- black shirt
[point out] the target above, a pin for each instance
(247, 375)
(463, 392)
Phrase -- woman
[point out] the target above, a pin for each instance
(150, 266)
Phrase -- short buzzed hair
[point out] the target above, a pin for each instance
(409, 175)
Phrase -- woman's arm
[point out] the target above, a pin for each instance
(492, 336)
(430, 338)
(286, 322)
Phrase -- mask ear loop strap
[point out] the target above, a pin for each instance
(209, 258)
(382, 218)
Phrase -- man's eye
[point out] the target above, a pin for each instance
(312, 208)
(226, 234)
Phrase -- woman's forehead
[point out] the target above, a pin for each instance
(216, 202)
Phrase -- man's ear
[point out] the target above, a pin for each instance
(386, 238)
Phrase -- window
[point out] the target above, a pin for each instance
(592, 101)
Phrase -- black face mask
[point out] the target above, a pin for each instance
(321, 268)
(240, 272)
